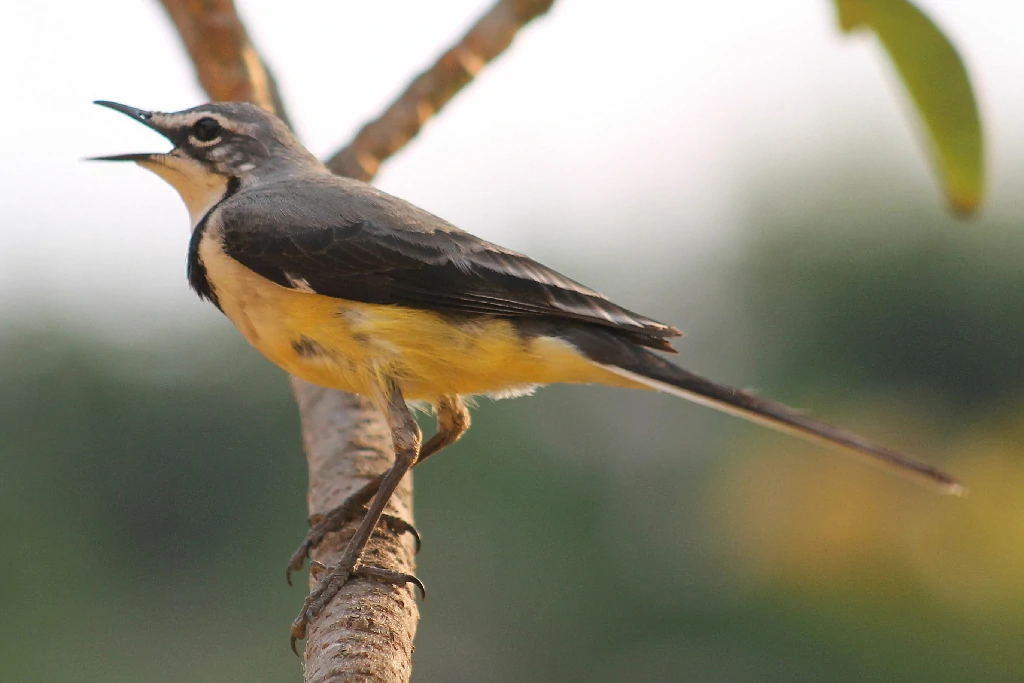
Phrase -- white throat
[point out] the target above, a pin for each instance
(199, 188)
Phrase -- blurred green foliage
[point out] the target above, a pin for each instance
(150, 497)
(909, 311)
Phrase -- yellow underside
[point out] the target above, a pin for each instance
(353, 346)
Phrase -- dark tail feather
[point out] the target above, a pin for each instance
(643, 368)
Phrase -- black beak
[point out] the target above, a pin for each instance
(142, 116)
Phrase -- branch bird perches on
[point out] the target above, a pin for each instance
(367, 631)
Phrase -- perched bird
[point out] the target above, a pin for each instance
(350, 288)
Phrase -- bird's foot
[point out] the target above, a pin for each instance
(352, 509)
(332, 581)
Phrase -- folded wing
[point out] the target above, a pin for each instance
(350, 241)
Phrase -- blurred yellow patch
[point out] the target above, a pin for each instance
(791, 513)
(973, 555)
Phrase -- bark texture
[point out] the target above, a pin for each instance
(367, 632)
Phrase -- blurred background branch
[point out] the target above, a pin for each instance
(433, 88)
(227, 65)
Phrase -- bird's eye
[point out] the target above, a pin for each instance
(206, 129)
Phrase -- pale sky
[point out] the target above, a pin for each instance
(608, 128)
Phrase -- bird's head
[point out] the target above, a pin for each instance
(216, 145)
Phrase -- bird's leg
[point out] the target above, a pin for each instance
(407, 438)
(334, 520)
(452, 422)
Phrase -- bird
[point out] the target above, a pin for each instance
(350, 288)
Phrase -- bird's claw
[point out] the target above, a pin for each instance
(399, 526)
(332, 583)
(323, 524)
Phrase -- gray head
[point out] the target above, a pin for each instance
(215, 144)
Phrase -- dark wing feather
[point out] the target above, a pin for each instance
(350, 241)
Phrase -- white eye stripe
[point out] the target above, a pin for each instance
(196, 142)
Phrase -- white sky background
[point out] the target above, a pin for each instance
(609, 128)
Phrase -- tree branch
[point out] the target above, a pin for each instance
(228, 66)
(432, 89)
(366, 633)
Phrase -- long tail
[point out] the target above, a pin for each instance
(642, 368)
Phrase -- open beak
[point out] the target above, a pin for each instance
(142, 116)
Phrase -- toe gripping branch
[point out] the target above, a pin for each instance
(331, 579)
(331, 583)
(352, 509)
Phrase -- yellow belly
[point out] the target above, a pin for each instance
(352, 346)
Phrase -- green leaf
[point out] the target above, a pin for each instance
(937, 81)
(852, 14)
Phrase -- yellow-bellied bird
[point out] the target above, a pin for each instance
(350, 288)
